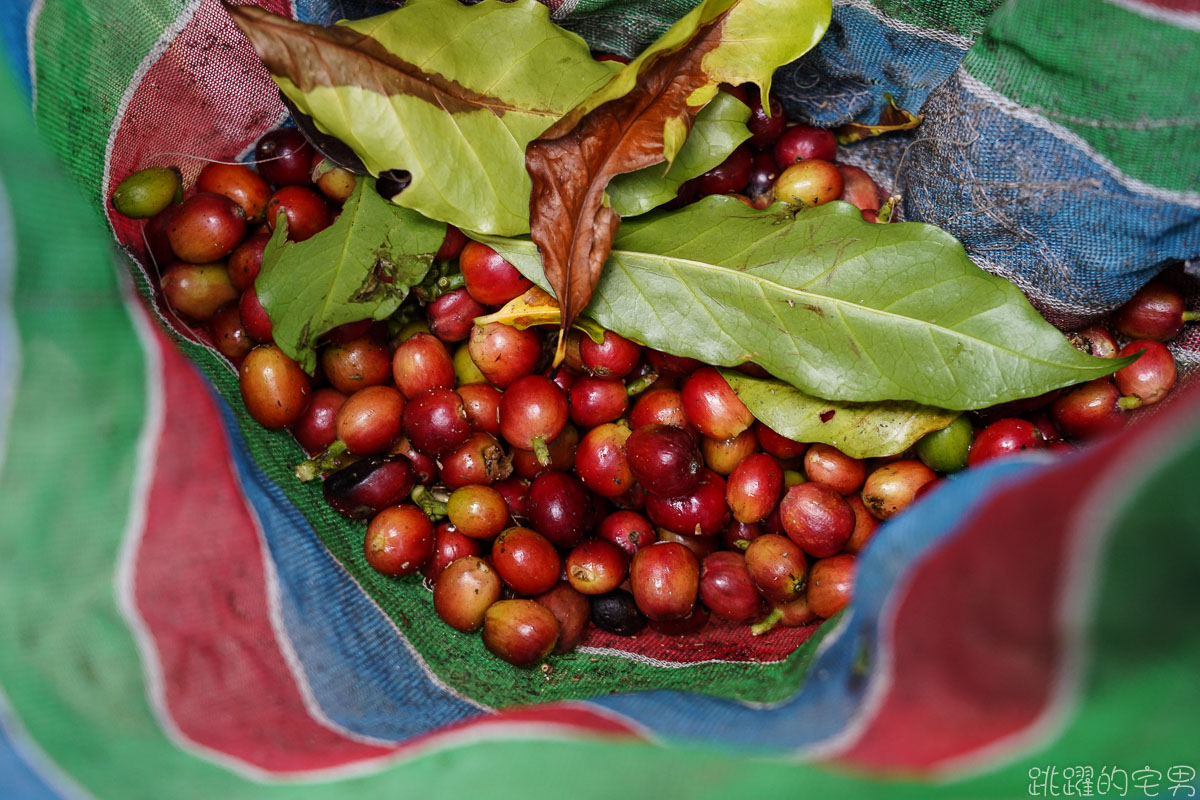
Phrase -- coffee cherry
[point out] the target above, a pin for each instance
(464, 592)
(1088, 410)
(532, 412)
(522, 632)
(737, 535)
(399, 540)
(831, 585)
(254, 317)
(274, 388)
(1095, 341)
(760, 188)
(893, 487)
(449, 545)
(690, 625)
(560, 508)
(658, 406)
(830, 467)
(515, 492)
(479, 512)
(435, 421)
(859, 189)
(730, 175)
(865, 524)
(245, 261)
(480, 459)
(700, 512)
(240, 184)
(369, 421)
(526, 561)
(669, 366)
(572, 610)
(1156, 312)
(421, 362)
(765, 130)
(425, 469)
(369, 485)
(356, 364)
(197, 290)
(665, 578)
(317, 428)
(283, 156)
(812, 182)
(722, 456)
(712, 407)
(452, 315)
(503, 353)
(777, 566)
(1004, 438)
(817, 518)
(946, 450)
(727, 589)
(617, 612)
(490, 278)
(482, 403)
(614, 357)
(600, 461)
(754, 487)
(452, 246)
(306, 212)
(228, 334)
(628, 530)
(594, 401)
(206, 228)
(147, 192)
(802, 142)
(597, 566)
(1147, 380)
(779, 446)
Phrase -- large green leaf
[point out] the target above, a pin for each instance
(860, 430)
(641, 118)
(719, 128)
(360, 267)
(839, 308)
(450, 93)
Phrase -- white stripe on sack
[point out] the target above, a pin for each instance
(1188, 20)
(1031, 117)
(945, 37)
(35, 15)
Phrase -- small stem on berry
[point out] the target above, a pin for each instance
(541, 451)
(333, 457)
(1129, 402)
(641, 384)
(449, 283)
(741, 544)
(771, 620)
(433, 507)
(1191, 316)
(884, 214)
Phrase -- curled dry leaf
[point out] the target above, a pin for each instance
(642, 117)
(893, 118)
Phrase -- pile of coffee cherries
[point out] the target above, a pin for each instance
(627, 488)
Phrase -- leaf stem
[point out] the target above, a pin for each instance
(641, 384)
(771, 620)
(541, 451)
(428, 501)
(332, 458)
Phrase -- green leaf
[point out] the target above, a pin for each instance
(719, 128)
(360, 267)
(838, 307)
(450, 93)
(860, 430)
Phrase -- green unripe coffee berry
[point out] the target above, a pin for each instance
(147, 192)
(464, 367)
(946, 450)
